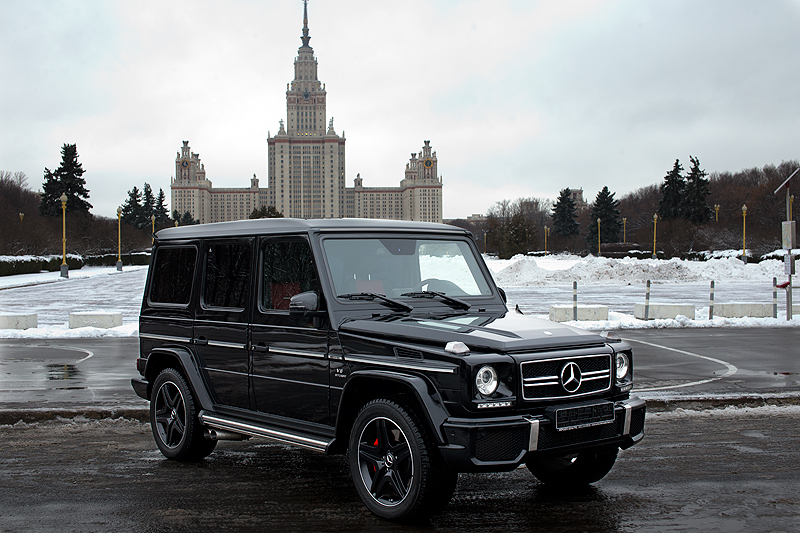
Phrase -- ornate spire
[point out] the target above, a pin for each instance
(305, 38)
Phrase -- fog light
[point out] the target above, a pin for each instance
(486, 380)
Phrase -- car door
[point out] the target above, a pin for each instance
(221, 321)
(289, 351)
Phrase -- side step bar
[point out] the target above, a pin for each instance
(249, 428)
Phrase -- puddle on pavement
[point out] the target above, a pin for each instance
(60, 372)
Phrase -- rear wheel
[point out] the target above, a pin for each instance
(396, 468)
(574, 471)
(173, 418)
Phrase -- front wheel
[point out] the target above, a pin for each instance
(173, 418)
(574, 471)
(396, 468)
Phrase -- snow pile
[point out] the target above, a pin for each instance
(521, 271)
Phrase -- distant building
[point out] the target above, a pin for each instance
(577, 197)
(306, 168)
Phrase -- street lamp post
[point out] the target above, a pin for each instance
(716, 212)
(64, 266)
(791, 206)
(655, 224)
(153, 220)
(624, 228)
(598, 236)
(119, 239)
(744, 233)
(546, 231)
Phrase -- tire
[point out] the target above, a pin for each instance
(575, 471)
(173, 419)
(396, 468)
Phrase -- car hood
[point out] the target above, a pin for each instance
(508, 332)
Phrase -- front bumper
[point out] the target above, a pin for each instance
(502, 443)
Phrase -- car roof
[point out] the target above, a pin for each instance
(266, 226)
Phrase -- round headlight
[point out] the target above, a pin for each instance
(486, 380)
(623, 366)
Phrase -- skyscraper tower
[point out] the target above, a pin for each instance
(306, 158)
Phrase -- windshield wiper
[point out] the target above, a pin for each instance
(372, 296)
(455, 302)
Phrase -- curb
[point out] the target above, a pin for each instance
(28, 416)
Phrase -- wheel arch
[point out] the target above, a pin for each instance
(365, 385)
(183, 360)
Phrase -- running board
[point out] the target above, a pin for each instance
(249, 428)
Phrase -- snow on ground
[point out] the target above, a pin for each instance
(532, 283)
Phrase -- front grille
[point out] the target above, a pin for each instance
(541, 380)
(499, 444)
(550, 438)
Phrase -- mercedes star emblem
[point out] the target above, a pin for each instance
(571, 377)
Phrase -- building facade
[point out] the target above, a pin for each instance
(306, 168)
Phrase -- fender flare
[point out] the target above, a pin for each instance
(423, 391)
(190, 368)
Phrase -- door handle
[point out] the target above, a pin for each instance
(260, 347)
(202, 341)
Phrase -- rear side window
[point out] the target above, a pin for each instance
(173, 271)
(227, 275)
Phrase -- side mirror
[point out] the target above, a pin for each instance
(304, 302)
(502, 295)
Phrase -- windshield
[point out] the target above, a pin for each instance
(397, 267)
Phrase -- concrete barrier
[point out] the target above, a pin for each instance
(563, 313)
(94, 319)
(740, 310)
(664, 311)
(18, 321)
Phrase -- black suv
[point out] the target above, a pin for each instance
(386, 341)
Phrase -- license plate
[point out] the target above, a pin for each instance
(583, 416)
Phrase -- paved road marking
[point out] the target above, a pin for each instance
(731, 369)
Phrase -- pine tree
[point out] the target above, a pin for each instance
(606, 209)
(148, 202)
(265, 212)
(564, 215)
(160, 210)
(671, 204)
(132, 208)
(66, 179)
(187, 220)
(695, 208)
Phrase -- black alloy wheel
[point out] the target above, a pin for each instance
(173, 417)
(384, 461)
(396, 468)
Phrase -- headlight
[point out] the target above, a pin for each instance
(623, 366)
(486, 380)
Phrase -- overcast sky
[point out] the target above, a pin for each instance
(518, 98)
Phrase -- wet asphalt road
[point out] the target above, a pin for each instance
(709, 471)
(730, 470)
(669, 364)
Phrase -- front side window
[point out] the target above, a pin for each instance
(287, 269)
(395, 267)
(173, 272)
(227, 275)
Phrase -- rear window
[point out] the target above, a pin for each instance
(173, 272)
(227, 275)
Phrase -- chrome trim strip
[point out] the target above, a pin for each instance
(423, 368)
(222, 344)
(249, 429)
(626, 427)
(533, 440)
(169, 338)
(291, 381)
(226, 371)
(299, 353)
(171, 319)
